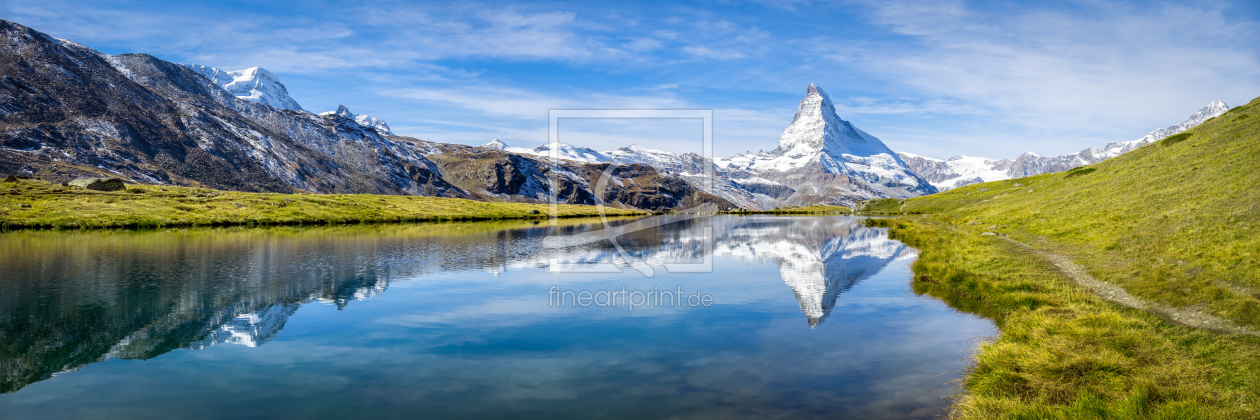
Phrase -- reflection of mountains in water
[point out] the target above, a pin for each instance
(818, 258)
(69, 300)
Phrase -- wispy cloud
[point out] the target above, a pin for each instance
(501, 101)
(959, 77)
(1112, 67)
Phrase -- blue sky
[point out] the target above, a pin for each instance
(936, 78)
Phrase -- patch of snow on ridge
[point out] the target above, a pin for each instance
(364, 120)
(1212, 110)
(964, 170)
(563, 151)
(254, 84)
(977, 167)
(496, 144)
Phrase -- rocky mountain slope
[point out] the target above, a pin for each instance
(70, 111)
(364, 120)
(495, 174)
(965, 170)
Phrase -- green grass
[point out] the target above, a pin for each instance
(1173, 222)
(38, 204)
(814, 209)
(1066, 354)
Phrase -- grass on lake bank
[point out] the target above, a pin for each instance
(1066, 354)
(1172, 223)
(39, 204)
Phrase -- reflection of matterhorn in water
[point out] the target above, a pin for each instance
(250, 329)
(818, 258)
(819, 277)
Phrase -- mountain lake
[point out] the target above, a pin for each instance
(680, 317)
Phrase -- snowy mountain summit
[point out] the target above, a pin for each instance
(817, 128)
(823, 157)
(495, 144)
(364, 120)
(254, 84)
(1208, 112)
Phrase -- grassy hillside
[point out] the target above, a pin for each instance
(1175, 221)
(1171, 222)
(30, 203)
(1064, 353)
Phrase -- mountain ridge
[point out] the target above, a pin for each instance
(157, 122)
(966, 170)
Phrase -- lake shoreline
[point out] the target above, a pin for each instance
(34, 204)
(1066, 351)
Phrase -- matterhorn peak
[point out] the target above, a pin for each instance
(817, 128)
(813, 89)
(495, 144)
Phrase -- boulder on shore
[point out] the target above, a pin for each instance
(99, 184)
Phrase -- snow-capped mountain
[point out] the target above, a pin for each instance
(1212, 110)
(957, 171)
(561, 150)
(495, 144)
(363, 119)
(178, 124)
(820, 159)
(134, 116)
(825, 159)
(254, 84)
(965, 170)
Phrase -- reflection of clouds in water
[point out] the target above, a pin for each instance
(459, 344)
(818, 258)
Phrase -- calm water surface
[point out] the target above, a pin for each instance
(810, 317)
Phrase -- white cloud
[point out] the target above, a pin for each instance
(1106, 73)
(937, 75)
